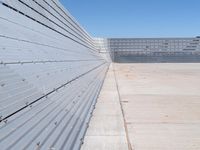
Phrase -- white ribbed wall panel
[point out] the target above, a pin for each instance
(50, 77)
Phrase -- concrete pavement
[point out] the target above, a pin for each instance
(106, 130)
(161, 105)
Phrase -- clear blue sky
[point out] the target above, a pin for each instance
(137, 18)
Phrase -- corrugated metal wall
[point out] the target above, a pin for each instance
(138, 49)
(50, 76)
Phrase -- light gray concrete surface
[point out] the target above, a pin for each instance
(106, 130)
(161, 104)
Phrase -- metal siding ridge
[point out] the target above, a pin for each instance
(49, 83)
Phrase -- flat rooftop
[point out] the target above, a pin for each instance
(147, 107)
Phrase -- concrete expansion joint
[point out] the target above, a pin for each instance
(122, 110)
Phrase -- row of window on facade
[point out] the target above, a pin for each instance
(154, 43)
